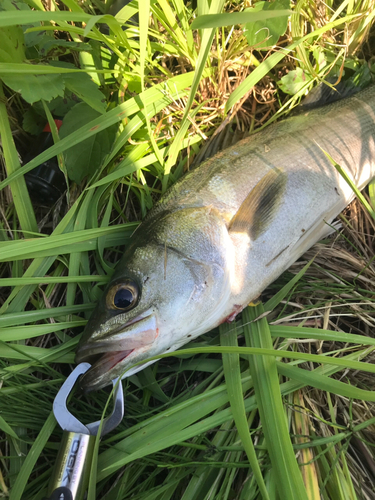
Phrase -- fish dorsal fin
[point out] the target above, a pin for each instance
(325, 94)
(260, 206)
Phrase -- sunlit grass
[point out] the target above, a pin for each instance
(224, 420)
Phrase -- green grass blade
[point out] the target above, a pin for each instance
(182, 13)
(5, 427)
(161, 93)
(20, 318)
(76, 257)
(24, 248)
(371, 190)
(271, 410)
(160, 433)
(271, 61)
(231, 363)
(30, 331)
(302, 428)
(144, 15)
(21, 198)
(206, 43)
(324, 383)
(304, 332)
(219, 20)
(40, 69)
(350, 182)
(129, 165)
(281, 294)
(113, 239)
(302, 356)
(179, 35)
(11, 18)
(150, 435)
(52, 279)
(19, 296)
(32, 457)
(38, 354)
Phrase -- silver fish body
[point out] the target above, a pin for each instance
(225, 231)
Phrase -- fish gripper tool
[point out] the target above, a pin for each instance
(72, 469)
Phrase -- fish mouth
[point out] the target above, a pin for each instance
(107, 354)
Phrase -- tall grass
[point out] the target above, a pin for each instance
(277, 405)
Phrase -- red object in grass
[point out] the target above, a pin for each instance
(47, 128)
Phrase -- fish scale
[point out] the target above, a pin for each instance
(229, 228)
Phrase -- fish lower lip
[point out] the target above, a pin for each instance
(110, 359)
(103, 364)
(136, 334)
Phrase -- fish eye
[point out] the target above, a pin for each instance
(123, 296)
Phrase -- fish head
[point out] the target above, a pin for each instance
(158, 299)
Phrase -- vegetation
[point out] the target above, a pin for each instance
(286, 388)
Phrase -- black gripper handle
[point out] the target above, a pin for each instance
(61, 493)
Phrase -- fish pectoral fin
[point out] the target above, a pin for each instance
(260, 206)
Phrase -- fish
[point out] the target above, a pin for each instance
(225, 231)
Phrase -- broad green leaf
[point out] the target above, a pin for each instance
(295, 80)
(51, 47)
(12, 44)
(266, 33)
(35, 87)
(61, 105)
(32, 38)
(82, 86)
(133, 80)
(33, 122)
(13, 5)
(85, 158)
